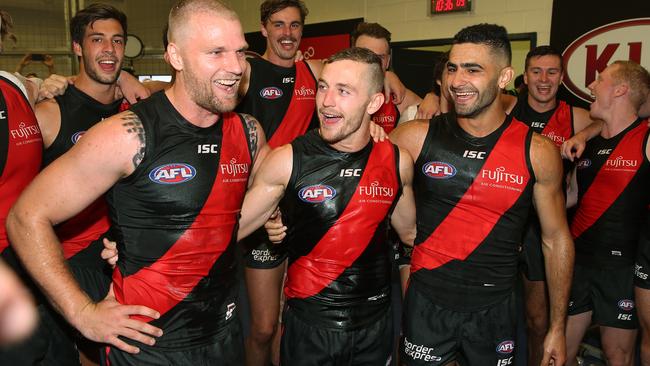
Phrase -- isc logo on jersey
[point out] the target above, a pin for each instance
(438, 170)
(626, 305)
(506, 347)
(271, 92)
(173, 173)
(77, 136)
(317, 193)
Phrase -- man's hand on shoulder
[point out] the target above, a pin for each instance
(53, 86)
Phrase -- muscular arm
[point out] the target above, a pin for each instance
(582, 120)
(257, 144)
(575, 146)
(48, 115)
(267, 189)
(557, 244)
(409, 99)
(410, 136)
(108, 152)
(403, 217)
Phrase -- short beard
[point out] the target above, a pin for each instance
(203, 96)
(482, 104)
(106, 80)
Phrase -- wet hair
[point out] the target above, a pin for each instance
(92, 13)
(270, 7)
(183, 9)
(363, 55)
(492, 35)
(6, 26)
(374, 30)
(636, 76)
(542, 51)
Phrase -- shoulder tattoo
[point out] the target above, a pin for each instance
(251, 125)
(132, 124)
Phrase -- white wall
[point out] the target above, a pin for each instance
(408, 19)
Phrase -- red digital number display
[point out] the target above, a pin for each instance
(450, 6)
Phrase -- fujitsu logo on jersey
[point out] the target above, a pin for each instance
(584, 163)
(626, 305)
(439, 170)
(383, 119)
(317, 193)
(506, 347)
(620, 162)
(74, 138)
(500, 175)
(239, 171)
(271, 92)
(305, 92)
(173, 173)
(553, 137)
(24, 132)
(375, 190)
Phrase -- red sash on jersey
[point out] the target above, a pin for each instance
(24, 152)
(301, 108)
(387, 116)
(347, 239)
(609, 183)
(203, 242)
(481, 207)
(559, 127)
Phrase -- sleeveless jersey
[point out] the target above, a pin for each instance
(473, 196)
(175, 221)
(79, 112)
(387, 117)
(556, 124)
(613, 178)
(336, 206)
(21, 147)
(282, 99)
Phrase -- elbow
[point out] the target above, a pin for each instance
(15, 224)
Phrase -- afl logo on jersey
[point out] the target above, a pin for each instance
(317, 193)
(77, 136)
(626, 305)
(506, 347)
(271, 92)
(584, 163)
(438, 170)
(173, 173)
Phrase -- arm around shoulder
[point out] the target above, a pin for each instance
(268, 187)
(410, 136)
(48, 115)
(403, 217)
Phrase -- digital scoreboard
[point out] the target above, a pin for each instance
(450, 6)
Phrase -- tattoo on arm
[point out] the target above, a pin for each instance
(252, 133)
(133, 124)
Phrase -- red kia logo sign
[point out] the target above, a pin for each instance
(593, 51)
